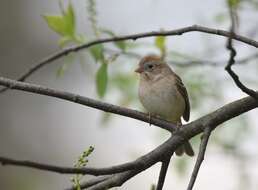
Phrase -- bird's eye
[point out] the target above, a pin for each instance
(150, 66)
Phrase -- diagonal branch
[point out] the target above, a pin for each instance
(37, 89)
(91, 182)
(163, 173)
(115, 180)
(180, 136)
(200, 158)
(180, 31)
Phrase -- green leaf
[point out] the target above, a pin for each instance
(102, 80)
(68, 61)
(63, 24)
(92, 12)
(233, 3)
(160, 43)
(97, 52)
(61, 70)
(56, 23)
(70, 20)
(79, 38)
(121, 45)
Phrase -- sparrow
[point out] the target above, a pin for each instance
(163, 94)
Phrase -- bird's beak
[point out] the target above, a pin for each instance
(138, 70)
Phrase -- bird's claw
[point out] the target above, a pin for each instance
(149, 118)
(178, 125)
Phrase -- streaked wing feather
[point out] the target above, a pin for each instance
(181, 88)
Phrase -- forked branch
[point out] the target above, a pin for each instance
(180, 136)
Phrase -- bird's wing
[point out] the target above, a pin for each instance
(182, 90)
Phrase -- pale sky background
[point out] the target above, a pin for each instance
(53, 131)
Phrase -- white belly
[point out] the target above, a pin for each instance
(165, 102)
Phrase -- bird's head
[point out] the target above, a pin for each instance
(151, 66)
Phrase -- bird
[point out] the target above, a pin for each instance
(163, 94)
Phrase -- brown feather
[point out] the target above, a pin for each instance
(149, 58)
(182, 90)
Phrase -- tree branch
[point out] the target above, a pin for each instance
(37, 89)
(71, 170)
(200, 158)
(163, 173)
(252, 93)
(91, 182)
(180, 136)
(180, 31)
(115, 180)
(213, 63)
(231, 60)
(190, 63)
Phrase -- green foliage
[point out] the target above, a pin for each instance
(63, 24)
(121, 45)
(61, 70)
(81, 162)
(102, 79)
(233, 3)
(65, 66)
(58, 24)
(97, 52)
(160, 43)
(91, 8)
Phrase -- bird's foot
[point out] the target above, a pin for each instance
(149, 118)
(178, 125)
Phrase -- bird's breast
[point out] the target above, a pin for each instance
(162, 98)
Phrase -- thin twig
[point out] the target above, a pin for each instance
(200, 157)
(163, 173)
(190, 63)
(73, 170)
(241, 61)
(91, 182)
(115, 181)
(180, 31)
(233, 54)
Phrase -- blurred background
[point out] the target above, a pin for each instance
(53, 131)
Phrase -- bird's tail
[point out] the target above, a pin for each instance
(185, 148)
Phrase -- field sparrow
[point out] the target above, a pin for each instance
(162, 93)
